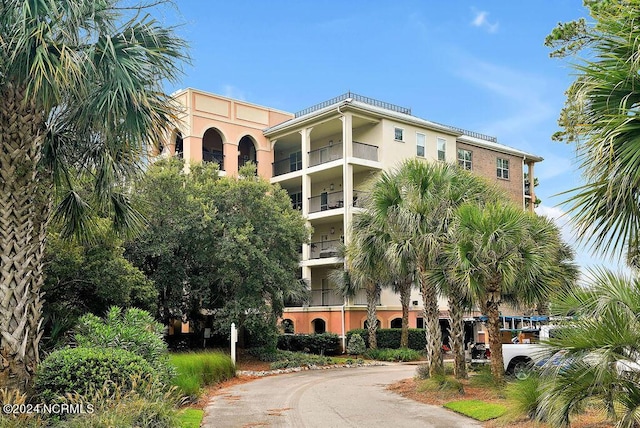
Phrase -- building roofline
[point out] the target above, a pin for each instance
(235, 100)
(478, 142)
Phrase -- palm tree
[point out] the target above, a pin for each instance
(365, 267)
(415, 204)
(600, 116)
(601, 350)
(80, 92)
(506, 255)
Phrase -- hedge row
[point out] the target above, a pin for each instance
(321, 344)
(390, 338)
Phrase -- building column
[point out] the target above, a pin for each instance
(306, 192)
(532, 192)
(230, 155)
(347, 172)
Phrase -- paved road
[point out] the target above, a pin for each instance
(349, 397)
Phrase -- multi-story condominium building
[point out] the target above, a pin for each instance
(324, 156)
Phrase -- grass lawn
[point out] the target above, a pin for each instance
(477, 409)
(191, 418)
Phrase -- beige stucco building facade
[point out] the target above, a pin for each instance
(324, 156)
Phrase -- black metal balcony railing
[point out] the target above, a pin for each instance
(326, 201)
(358, 198)
(325, 154)
(356, 97)
(242, 161)
(327, 297)
(216, 156)
(325, 249)
(527, 188)
(285, 166)
(365, 151)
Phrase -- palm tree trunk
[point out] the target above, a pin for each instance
(24, 209)
(373, 295)
(405, 301)
(495, 343)
(456, 333)
(432, 323)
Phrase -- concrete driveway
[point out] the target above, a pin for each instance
(348, 397)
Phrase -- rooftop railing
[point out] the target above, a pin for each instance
(356, 97)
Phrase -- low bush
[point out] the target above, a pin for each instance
(322, 344)
(356, 345)
(134, 330)
(390, 338)
(288, 359)
(525, 396)
(195, 370)
(402, 354)
(144, 405)
(80, 370)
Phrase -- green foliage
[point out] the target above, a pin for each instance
(79, 370)
(323, 344)
(83, 277)
(390, 338)
(525, 395)
(195, 370)
(145, 404)
(402, 354)
(601, 117)
(134, 330)
(356, 345)
(288, 359)
(222, 243)
(477, 409)
(443, 385)
(483, 378)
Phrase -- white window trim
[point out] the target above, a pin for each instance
(438, 140)
(502, 168)
(394, 133)
(424, 144)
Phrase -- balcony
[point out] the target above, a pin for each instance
(365, 151)
(326, 201)
(215, 156)
(325, 154)
(325, 249)
(287, 165)
(327, 297)
(360, 299)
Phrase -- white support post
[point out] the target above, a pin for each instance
(234, 339)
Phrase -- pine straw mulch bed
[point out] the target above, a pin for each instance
(409, 388)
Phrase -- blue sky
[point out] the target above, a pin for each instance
(476, 65)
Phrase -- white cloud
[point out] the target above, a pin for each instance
(231, 91)
(481, 20)
(561, 219)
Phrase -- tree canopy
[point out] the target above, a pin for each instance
(224, 244)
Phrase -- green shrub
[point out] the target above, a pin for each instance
(144, 405)
(134, 330)
(322, 344)
(402, 354)
(445, 385)
(79, 370)
(390, 338)
(525, 396)
(356, 345)
(195, 370)
(288, 359)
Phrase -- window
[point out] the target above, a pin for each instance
(420, 142)
(296, 200)
(396, 323)
(295, 161)
(398, 134)
(464, 158)
(442, 148)
(319, 326)
(502, 168)
(287, 326)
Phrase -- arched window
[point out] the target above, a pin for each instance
(212, 147)
(319, 326)
(396, 323)
(179, 145)
(246, 151)
(287, 326)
